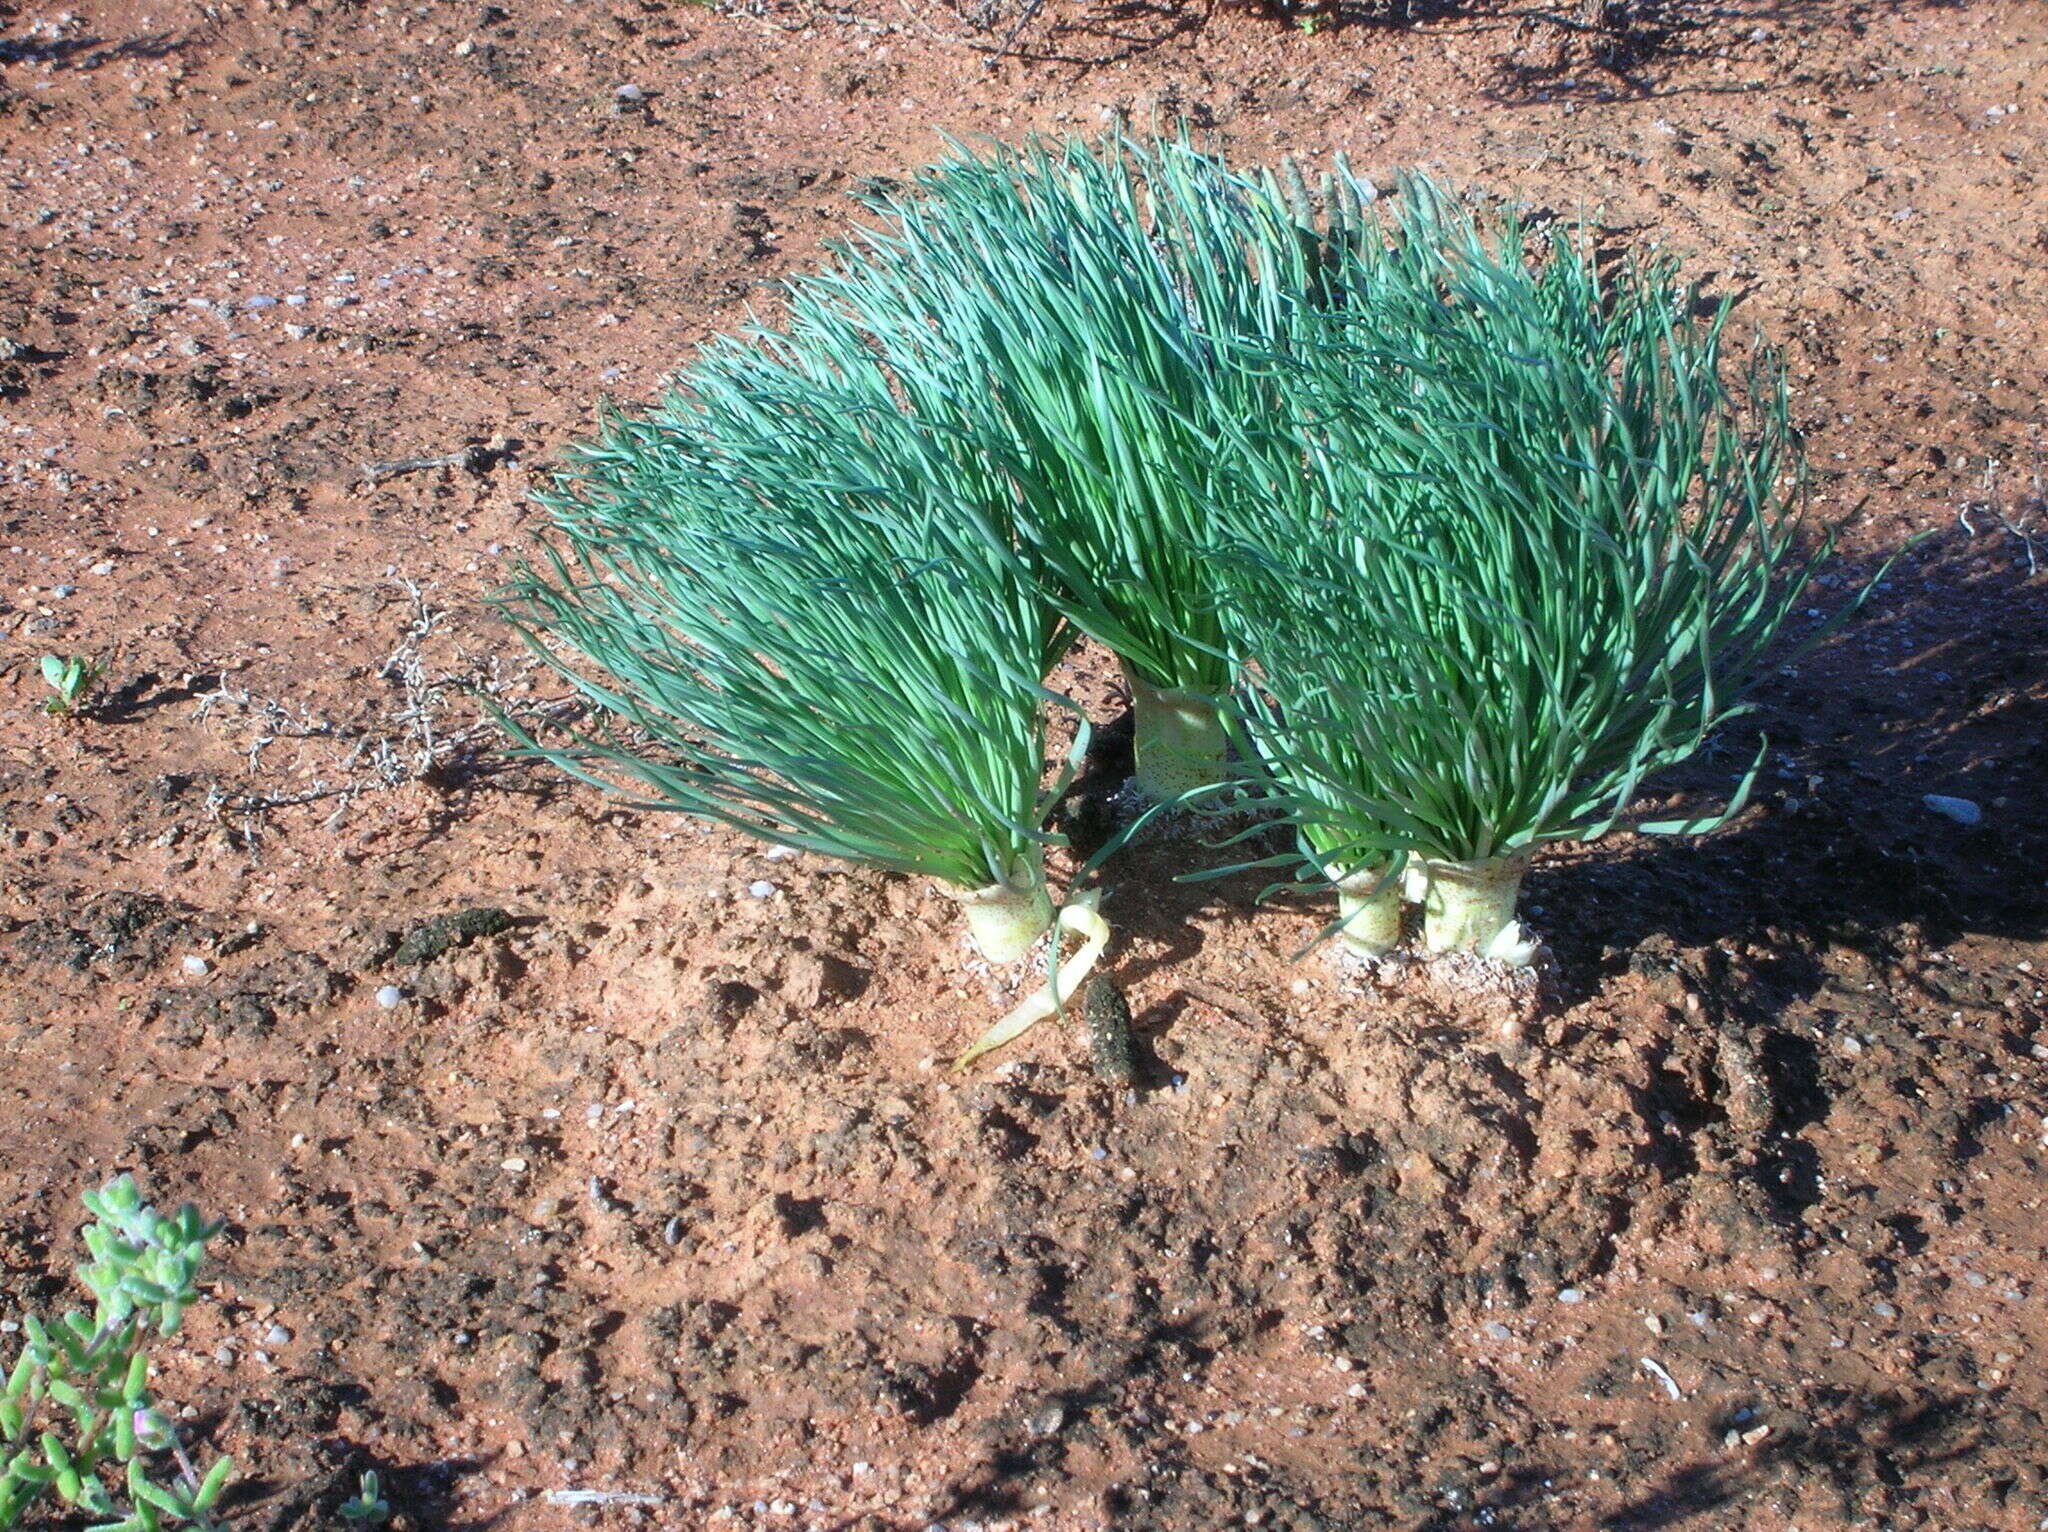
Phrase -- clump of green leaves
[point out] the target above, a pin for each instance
(1091, 320)
(1523, 542)
(77, 1411)
(778, 591)
(72, 678)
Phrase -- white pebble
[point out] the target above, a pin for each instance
(761, 888)
(515, 1165)
(390, 997)
(197, 966)
(1570, 1295)
(277, 1335)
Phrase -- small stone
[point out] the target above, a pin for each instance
(390, 997)
(1049, 1421)
(197, 966)
(630, 93)
(515, 1165)
(1653, 1324)
(1961, 810)
(63, 592)
(1570, 1295)
(1884, 1311)
(259, 302)
(225, 1355)
(277, 1335)
(1495, 1330)
(761, 888)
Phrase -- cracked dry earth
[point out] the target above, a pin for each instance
(648, 1185)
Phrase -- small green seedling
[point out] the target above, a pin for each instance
(72, 677)
(369, 1508)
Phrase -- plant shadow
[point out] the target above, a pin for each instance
(1927, 709)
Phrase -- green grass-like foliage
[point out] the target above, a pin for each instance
(1080, 316)
(1058, 303)
(1521, 541)
(777, 590)
(76, 1403)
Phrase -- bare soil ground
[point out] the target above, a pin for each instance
(656, 1189)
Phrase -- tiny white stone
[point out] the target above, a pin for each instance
(390, 997)
(277, 1335)
(761, 888)
(1570, 1295)
(197, 966)
(515, 1165)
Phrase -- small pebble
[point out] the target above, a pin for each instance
(1961, 810)
(515, 1165)
(277, 1335)
(630, 93)
(1570, 1295)
(1495, 1330)
(225, 1355)
(390, 997)
(761, 888)
(197, 966)
(1884, 1311)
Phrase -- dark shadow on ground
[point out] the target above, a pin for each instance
(1938, 689)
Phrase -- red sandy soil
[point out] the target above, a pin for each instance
(658, 1190)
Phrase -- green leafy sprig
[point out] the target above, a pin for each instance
(77, 1404)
